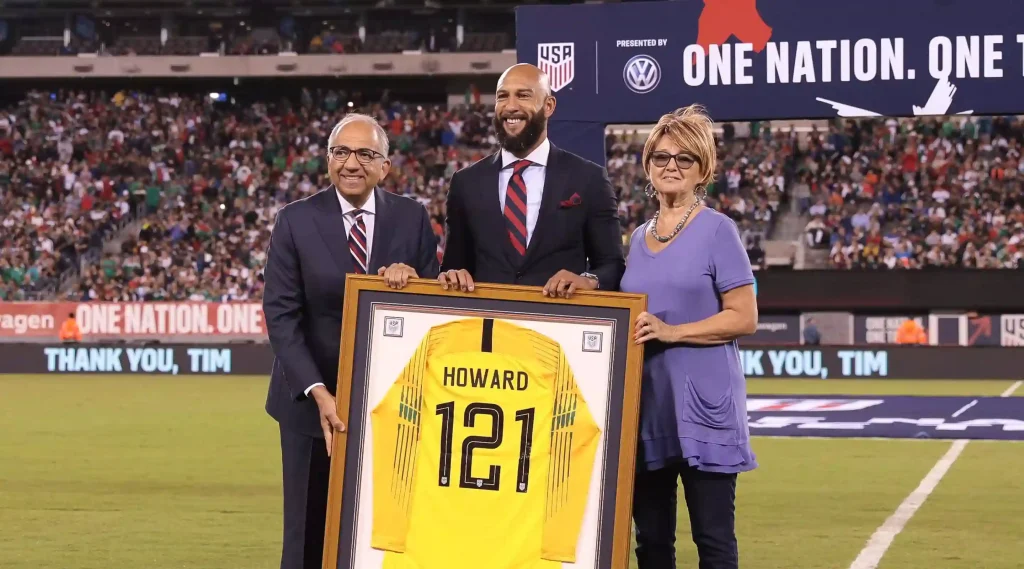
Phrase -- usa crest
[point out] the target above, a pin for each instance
(558, 61)
(393, 326)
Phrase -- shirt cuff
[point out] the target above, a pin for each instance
(728, 285)
(310, 388)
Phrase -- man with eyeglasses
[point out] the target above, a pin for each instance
(351, 227)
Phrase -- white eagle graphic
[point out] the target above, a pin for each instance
(938, 103)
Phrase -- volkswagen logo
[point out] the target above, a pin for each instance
(641, 74)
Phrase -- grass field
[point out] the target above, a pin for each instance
(126, 473)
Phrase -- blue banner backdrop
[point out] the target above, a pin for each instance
(774, 59)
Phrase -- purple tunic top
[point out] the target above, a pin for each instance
(693, 399)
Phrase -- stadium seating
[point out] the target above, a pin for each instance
(62, 193)
(187, 212)
(486, 31)
(916, 193)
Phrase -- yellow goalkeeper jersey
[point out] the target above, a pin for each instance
(482, 453)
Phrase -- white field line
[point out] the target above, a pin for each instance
(822, 438)
(883, 537)
(1009, 390)
(961, 410)
(879, 543)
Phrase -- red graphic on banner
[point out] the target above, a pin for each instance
(721, 19)
(134, 320)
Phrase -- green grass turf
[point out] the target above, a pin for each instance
(973, 519)
(133, 473)
(184, 472)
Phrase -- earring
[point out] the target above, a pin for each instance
(702, 193)
(649, 190)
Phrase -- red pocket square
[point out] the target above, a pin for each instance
(573, 201)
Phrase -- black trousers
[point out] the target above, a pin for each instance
(306, 471)
(711, 503)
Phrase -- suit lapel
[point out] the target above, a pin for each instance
(330, 224)
(555, 180)
(495, 219)
(383, 229)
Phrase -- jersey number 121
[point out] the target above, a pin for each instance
(492, 441)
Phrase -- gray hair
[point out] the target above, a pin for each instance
(382, 135)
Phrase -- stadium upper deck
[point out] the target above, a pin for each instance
(258, 28)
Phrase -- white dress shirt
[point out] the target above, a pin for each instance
(534, 178)
(369, 210)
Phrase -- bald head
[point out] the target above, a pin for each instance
(525, 75)
(522, 106)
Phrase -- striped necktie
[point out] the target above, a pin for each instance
(357, 242)
(515, 207)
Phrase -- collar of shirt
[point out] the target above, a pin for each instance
(369, 207)
(538, 156)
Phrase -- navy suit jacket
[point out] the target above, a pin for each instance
(578, 227)
(305, 287)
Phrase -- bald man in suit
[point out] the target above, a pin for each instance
(531, 213)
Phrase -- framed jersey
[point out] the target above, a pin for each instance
(493, 429)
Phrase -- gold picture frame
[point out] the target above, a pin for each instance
(367, 297)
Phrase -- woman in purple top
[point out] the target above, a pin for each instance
(689, 261)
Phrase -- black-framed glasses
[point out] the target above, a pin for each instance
(683, 161)
(363, 155)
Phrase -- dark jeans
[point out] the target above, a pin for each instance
(710, 500)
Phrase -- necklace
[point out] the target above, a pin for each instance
(679, 226)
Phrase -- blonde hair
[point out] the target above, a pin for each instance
(690, 128)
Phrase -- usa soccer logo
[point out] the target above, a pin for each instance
(558, 61)
(393, 326)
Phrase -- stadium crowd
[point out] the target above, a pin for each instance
(916, 193)
(203, 181)
(207, 181)
(60, 194)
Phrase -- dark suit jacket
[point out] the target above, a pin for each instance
(586, 237)
(305, 287)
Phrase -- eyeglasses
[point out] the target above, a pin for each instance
(683, 161)
(363, 155)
